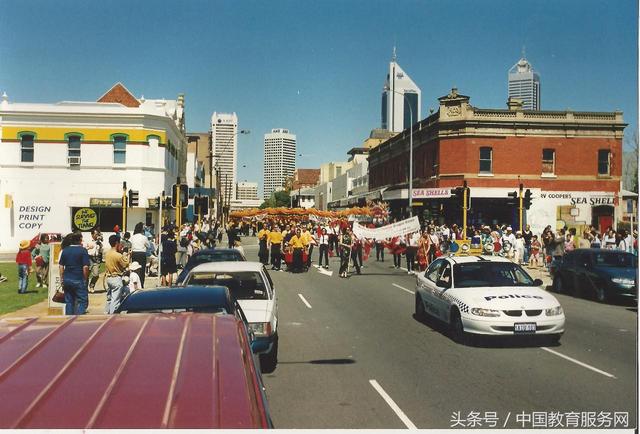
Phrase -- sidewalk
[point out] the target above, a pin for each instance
(97, 302)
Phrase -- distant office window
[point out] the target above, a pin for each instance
(73, 150)
(548, 161)
(26, 148)
(485, 160)
(119, 149)
(604, 162)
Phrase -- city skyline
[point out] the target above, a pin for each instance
(307, 75)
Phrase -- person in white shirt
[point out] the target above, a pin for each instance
(323, 242)
(609, 240)
(134, 280)
(509, 238)
(139, 247)
(519, 249)
(411, 241)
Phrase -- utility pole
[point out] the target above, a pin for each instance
(124, 206)
(465, 208)
(178, 207)
(520, 206)
(211, 178)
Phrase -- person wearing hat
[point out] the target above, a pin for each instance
(508, 237)
(519, 249)
(134, 278)
(23, 259)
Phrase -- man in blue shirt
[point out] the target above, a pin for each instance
(74, 272)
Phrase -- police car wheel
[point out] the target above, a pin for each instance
(457, 328)
(421, 313)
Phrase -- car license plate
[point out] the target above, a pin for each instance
(524, 327)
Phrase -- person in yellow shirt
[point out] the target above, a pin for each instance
(298, 243)
(309, 241)
(275, 244)
(263, 253)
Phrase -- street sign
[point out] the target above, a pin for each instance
(100, 202)
(153, 203)
(416, 203)
(201, 191)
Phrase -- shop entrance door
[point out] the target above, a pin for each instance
(605, 222)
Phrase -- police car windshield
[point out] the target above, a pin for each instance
(485, 273)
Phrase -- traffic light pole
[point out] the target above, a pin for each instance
(465, 198)
(124, 206)
(520, 206)
(178, 209)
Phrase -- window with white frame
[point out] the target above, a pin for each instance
(548, 161)
(73, 149)
(486, 155)
(119, 149)
(26, 148)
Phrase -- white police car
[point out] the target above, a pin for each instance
(487, 295)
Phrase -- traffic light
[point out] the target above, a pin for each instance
(201, 205)
(134, 196)
(167, 202)
(180, 191)
(526, 200)
(513, 199)
(458, 195)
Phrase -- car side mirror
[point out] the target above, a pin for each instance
(442, 284)
(538, 282)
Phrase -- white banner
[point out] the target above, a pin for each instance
(389, 231)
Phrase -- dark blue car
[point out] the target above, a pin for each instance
(210, 299)
(209, 255)
(598, 273)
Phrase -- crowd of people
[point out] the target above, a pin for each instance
(130, 258)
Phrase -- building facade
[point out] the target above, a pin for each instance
(247, 191)
(571, 162)
(224, 139)
(401, 99)
(305, 178)
(524, 84)
(279, 159)
(63, 165)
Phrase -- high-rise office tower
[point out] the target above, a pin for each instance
(224, 135)
(401, 99)
(279, 159)
(524, 84)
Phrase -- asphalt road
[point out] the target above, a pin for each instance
(352, 356)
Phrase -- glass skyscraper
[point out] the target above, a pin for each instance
(401, 99)
(524, 84)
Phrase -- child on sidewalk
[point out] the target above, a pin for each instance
(23, 259)
(535, 251)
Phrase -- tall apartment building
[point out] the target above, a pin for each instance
(401, 99)
(224, 135)
(524, 84)
(247, 191)
(279, 159)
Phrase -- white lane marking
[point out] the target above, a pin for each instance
(321, 270)
(578, 362)
(304, 301)
(403, 288)
(403, 417)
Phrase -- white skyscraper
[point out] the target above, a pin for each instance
(279, 159)
(224, 134)
(401, 98)
(524, 84)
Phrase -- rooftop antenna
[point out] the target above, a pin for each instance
(394, 57)
(524, 52)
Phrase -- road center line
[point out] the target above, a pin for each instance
(577, 362)
(403, 288)
(403, 417)
(304, 301)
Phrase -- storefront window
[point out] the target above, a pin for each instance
(604, 162)
(485, 160)
(548, 160)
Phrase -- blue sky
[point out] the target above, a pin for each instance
(317, 67)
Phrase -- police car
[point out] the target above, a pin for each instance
(487, 295)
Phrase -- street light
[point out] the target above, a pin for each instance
(404, 96)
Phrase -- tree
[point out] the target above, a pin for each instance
(630, 163)
(277, 199)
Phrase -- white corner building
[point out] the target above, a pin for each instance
(63, 165)
(401, 99)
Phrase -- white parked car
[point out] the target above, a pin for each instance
(487, 295)
(251, 285)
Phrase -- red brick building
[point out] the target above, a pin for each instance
(571, 162)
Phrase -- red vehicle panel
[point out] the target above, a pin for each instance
(130, 371)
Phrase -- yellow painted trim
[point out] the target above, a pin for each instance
(54, 134)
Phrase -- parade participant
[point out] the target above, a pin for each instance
(379, 249)
(263, 252)
(74, 272)
(424, 245)
(139, 247)
(275, 244)
(355, 245)
(534, 253)
(323, 242)
(40, 256)
(309, 241)
(345, 253)
(115, 267)
(94, 249)
(24, 262)
(398, 247)
(411, 241)
(334, 234)
(297, 243)
(168, 264)
(232, 235)
(527, 235)
(435, 244)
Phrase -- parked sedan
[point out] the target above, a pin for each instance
(209, 255)
(251, 285)
(599, 273)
